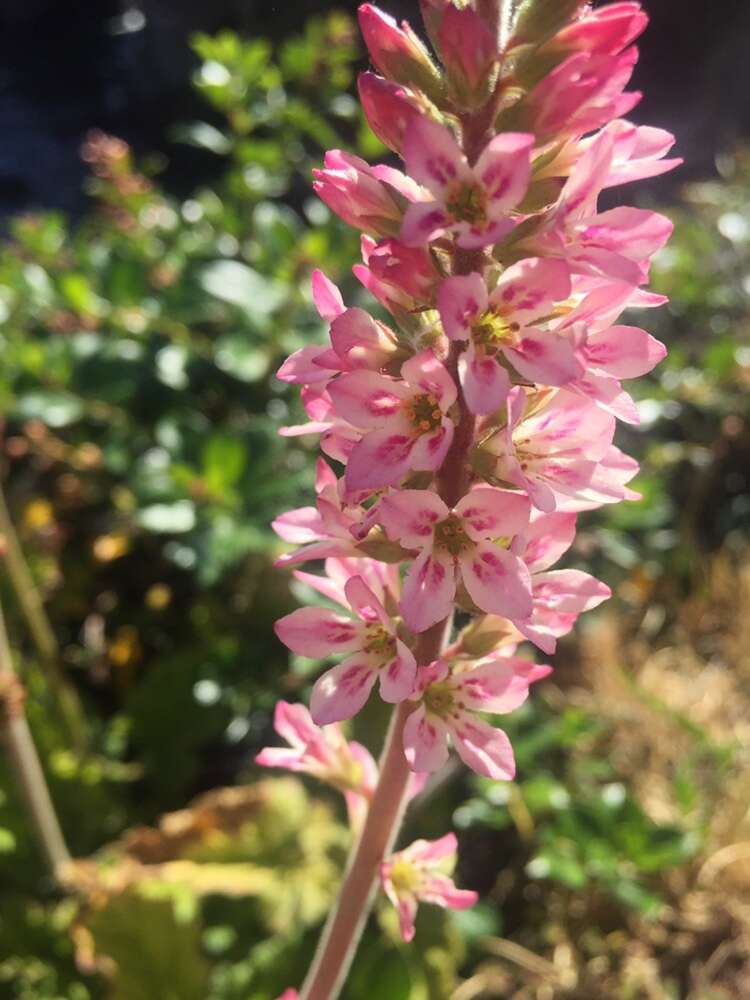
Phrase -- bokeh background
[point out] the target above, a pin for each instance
(159, 233)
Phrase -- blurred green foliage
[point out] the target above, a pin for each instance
(142, 468)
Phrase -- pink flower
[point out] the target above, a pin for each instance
(472, 202)
(604, 31)
(324, 754)
(382, 578)
(357, 341)
(373, 651)
(559, 596)
(414, 875)
(618, 243)
(459, 545)
(368, 198)
(289, 994)
(448, 706)
(324, 530)
(583, 93)
(556, 449)
(404, 420)
(400, 277)
(498, 326)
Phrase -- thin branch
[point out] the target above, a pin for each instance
(31, 606)
(25, 760)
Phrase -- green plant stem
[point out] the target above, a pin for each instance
(25, 760)
(31, 606)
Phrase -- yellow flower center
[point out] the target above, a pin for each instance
(449, 535)
(467, 203)
(439, 699)
(405, 876)
(423, 412)
(491, 331)
(379, 641)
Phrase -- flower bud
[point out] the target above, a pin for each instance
(397, 52)
(349, 187)
(469, 52)
(390, 110)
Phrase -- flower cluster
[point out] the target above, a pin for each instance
(473, 416)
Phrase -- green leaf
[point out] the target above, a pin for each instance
(237, 355)
(224, 460)
(239, 285)
(57, 409)
(168, 518)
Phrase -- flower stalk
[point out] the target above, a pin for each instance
(476, 423)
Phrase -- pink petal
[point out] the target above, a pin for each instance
(397, 678)
(430, 851)
(423, 221)
(483, 748)
(531, 288)
(545, 357)
(493, 513)
(429, 450)
(326, 296)
(485, 383)
(381, 458)
(364, 602)
(368, 400)
(634, 232)
(504, 169)
(440, 891)
(298, 526)
(493, 686)
(426, 372)
(411, 515)
(318, 632)
(425, 745)
(433, 157)
(342, 691)
(461, 300)
(547, 538)
(497, 581)
(569, 591)
(624, 351)
(429, 590)
(300, 367)
(293, 723)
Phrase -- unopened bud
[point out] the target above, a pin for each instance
(398, 53)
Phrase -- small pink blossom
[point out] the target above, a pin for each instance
(459, 545)
(368, 198)
(617, 244)
(415, 875)
(324, 754)
(472, 202)
(400, 277)
(370, 643)
(557, 449)
(404, 420)
(289, 994)
(499, 327)
(324, 530)
(357, 341)
(583, 93)
(448, 705)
